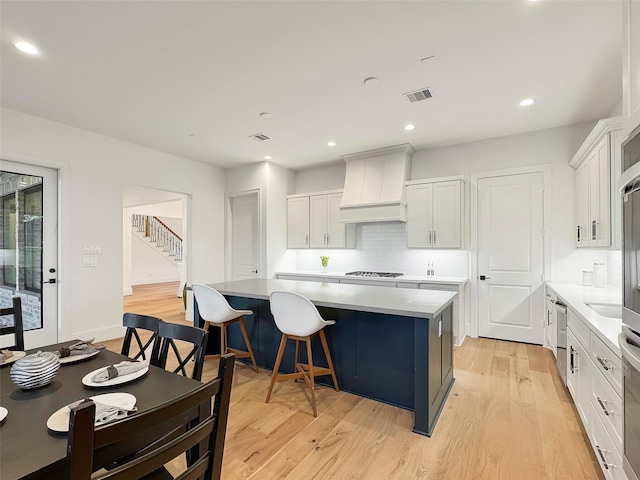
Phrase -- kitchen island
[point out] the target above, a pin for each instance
(392, 345)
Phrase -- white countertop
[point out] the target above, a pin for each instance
(403, 278)
(364, 298)
(577, 296)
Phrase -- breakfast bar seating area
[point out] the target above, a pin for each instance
(391, 345)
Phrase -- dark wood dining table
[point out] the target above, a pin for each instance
(28, 450)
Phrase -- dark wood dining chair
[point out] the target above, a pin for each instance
(151, 347)
(17, 329)
(187, 424)
(168, 333)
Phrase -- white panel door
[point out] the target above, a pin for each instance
(298, 222)
(318, 220)
(510, 257)
(29, 248)
(419, 215)
(335, 229)
(446, 215)
(245, 241)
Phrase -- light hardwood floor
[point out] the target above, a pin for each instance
(508, 417)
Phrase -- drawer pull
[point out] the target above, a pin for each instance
(604, 460)
(603, 363)
(574, 353)
(604, 408)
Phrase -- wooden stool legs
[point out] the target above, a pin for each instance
(306, 371)
(224, 348)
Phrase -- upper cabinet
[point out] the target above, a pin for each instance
(434, 214)
(313, 222)
(631, 65)
(597, 165)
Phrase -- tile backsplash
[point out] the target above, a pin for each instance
(382, 247)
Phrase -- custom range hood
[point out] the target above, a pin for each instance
(374, 185)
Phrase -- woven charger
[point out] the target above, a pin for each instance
(35, 370)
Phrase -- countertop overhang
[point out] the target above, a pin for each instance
(418, 303)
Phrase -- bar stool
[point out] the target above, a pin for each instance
(215, 310)
(298, 319)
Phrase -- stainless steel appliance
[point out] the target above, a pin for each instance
(561, 340)
(360, 273)
(629, 339)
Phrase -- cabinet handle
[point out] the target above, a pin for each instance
(602, 405)
(574, 367)
(604, 460)
(328, 239)
(434, 237)
(306, 239)
(593, 230)
(578, 232)
(429, 237)
(603, 363)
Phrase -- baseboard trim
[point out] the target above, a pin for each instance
(100, 334)
(148, 281)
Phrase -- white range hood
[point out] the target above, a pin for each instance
(374, 185)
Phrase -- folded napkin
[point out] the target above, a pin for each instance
(79, 348)
(105, 413)
(119, 370)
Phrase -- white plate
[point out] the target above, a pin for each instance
(71, 359)
(3, 413)
(59, 421)
(16, 356)
(86, 380)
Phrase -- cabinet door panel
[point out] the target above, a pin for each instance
(298, 222)
(335, 229)
(446, 219)
(603, 228)
(419, 215)
(582, 205)
(435, 358)
(318, 206)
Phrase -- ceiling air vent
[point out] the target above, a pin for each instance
(260, 137)
(418, 95)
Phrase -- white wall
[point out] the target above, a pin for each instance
(149, 264)
(329, 177)
(94, 170)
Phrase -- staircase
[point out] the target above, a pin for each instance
(157, 232)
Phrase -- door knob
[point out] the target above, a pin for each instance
(254, 271)
(483, 277)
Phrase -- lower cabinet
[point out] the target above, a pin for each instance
(593, 379)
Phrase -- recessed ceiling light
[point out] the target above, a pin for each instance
(409, 126)
(268, 157)
(266, 115)
(331, 144)
(527, 101)
(26, 48)
(370, 81)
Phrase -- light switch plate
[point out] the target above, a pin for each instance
(89, 261)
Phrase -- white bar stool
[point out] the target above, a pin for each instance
(215, 310)
(298, 319)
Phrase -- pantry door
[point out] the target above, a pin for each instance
(29, 248)
(510, 258)
(245, 236)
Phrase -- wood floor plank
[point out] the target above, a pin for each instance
(508, 416)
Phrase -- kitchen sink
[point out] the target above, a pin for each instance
(611, 311)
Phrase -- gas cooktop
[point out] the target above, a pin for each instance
(360, 273)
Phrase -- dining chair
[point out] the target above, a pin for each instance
(298, 319)
(17, 329)
(168, 333)
(216, 311)
(151, 347)
(186, 424)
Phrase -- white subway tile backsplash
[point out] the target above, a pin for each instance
(382, 247)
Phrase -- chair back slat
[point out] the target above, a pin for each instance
(17, 330)
(187, 424)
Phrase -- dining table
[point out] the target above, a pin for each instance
(28, 449)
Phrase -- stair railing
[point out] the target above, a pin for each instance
(159, 233)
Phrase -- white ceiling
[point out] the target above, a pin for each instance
(156, 72)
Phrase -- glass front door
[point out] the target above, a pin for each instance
(28, 244)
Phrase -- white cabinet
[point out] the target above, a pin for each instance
(434, 214)
(551, 327)
(298, 222)
(631, 65)
(312, 222)
(579, 377)
(597, 206)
